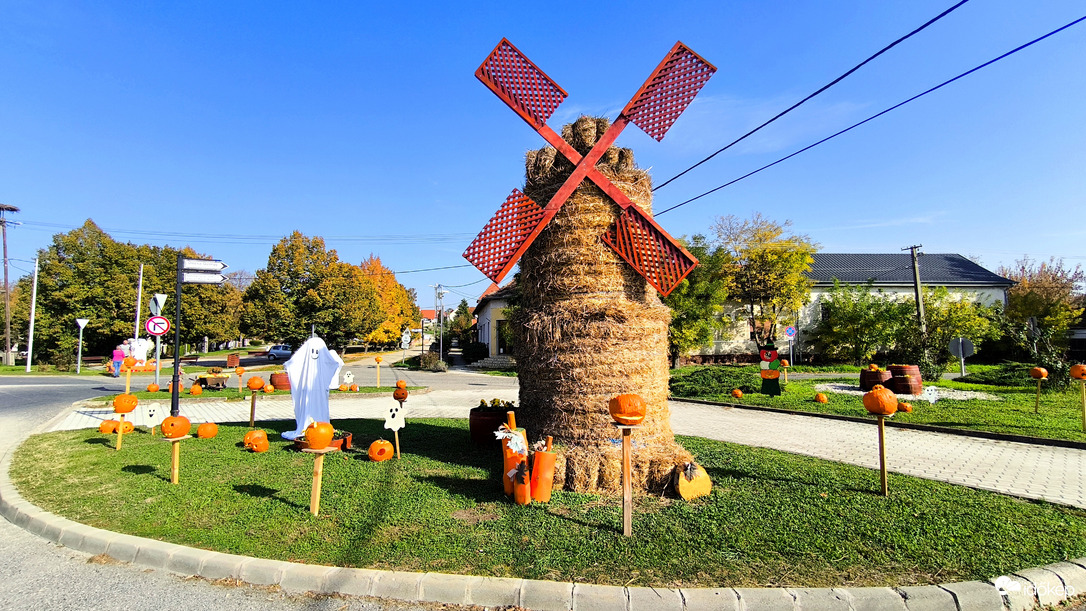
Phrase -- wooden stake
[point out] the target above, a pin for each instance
(785, 374)
(175, 461)
(511, 420)
(882, 455)
(1037, 404)
(127, 380)
(378, 375)
(120, 432)
(318, 476)
(1083, 386)
(252, 411)
(396, 434)
(627, 485)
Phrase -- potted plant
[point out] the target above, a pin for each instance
(485, 419)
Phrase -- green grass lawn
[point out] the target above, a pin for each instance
(1060, 415)
(772, 518)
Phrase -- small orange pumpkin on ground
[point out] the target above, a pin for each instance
(880, 401)
(343, 388)
(354, 387)
(260, 445)
(401, 384)
(691, 481)
(253, 436)
(1078, 372)
(176, 426)
(207, 430)
(738, 394)
(196, 390)
(905, 407)
(124, 404)
(318, 435)
(1038, 373)
(108, 427)
(269, 388)
(821, 398)
(127, 427)
(381, 450)
(152, 388)
(399, 394)
(628, 409)
(255, 383)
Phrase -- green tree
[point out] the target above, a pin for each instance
(460, 326)
(697, 302)
(1047, 294)
(858, 320)
(767, 270)
(946, 317)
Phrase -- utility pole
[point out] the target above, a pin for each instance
(916, 287)
(7, 288)
(439, 295)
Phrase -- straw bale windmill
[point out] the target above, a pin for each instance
(588, 323)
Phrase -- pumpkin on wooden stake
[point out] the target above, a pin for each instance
(880, 401)
(124, 404)
(628, 409)
(319, 435)
(175, 426)
(255, 383)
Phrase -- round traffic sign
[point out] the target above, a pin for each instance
(790, 331)
(157, 325)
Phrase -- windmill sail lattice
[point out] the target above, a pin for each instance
(635, 236)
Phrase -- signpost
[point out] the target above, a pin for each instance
(189, 271)
(82, 322)
(791, 333)
(961, 348)
(405, 343)
(157, 302)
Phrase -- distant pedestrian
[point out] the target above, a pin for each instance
(118, 358)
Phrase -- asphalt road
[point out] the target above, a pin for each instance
(36, 574)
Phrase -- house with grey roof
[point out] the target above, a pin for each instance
(892, 273)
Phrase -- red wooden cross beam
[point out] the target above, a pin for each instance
(635, 236)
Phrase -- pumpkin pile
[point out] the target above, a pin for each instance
(256, 441)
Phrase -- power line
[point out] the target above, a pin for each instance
(824, 88)
(875, 116)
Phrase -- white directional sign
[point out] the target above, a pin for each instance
(405, 341)
(202, 278)
(82, 322)
(203, 265)
(157, 325)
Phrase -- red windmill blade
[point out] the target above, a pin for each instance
(534, 96)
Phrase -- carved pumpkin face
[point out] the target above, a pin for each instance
(880, 401)
(176, 426)
(768, 354)
(627, 409)
(738, 394)
(239, 371)
(260, 445)
(268, 388)
(354, 387)
(252, 436)
(1078, 372)
(399, 394)
(343, 388)
(381, 450)
(124, 404)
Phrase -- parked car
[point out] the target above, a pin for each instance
(279, 351)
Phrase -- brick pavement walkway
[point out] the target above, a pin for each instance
(1030, 471)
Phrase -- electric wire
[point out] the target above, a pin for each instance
(824, 88)
(875, 116)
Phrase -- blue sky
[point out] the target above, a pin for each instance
(226, 125)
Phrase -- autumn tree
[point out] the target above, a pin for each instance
(766, 270)
(397, 304)
(697, 301)
(858, 320)
(460, 325)
(1047, 293)
(946, 317)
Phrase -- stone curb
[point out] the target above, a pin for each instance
(1041, 585)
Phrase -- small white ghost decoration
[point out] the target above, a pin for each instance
(931, 394)
(394, 419)
(348, 377)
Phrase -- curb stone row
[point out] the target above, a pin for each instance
(1045, 585)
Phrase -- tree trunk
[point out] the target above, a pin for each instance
(589, 327)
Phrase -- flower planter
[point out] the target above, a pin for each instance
(483, 423)
(281, 381)
(340, 441)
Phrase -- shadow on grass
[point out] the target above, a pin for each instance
(138, 469)
(102, 441)
(263, 492)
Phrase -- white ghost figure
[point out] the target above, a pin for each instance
(348, 378)
(310, 369)
(139, 348)
(394, 419)
(931, 394)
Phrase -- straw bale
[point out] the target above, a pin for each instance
(589, 327)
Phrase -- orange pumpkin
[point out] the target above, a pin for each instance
(152, 388)
(627, 409)
(354, 387)
(738, 394)
(784, 362)
(127, 427)
(176, 426)
(1078, 372)
(260, 445)
(108, 427)
(873, 367)
(378, 359)
(401, 384)
(821, 398)
(691, 481)
(252, 436)
(239, 370)
(905, 407)
(318, 435)
(770, 374)
(381, 450)
(268, 388)
(880, 401)
(169, 387)
(124, 404)
(207, 430)
(343, 388)
(196, 390)
(128, 363)
(1038, 373)
(255, 383)
(399, 394)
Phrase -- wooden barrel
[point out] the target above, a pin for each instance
(281, 381)
(906, 379)
(868, 378)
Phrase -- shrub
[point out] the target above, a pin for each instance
(440, 367)
(475, 351)
(713, 379)
(429, 359)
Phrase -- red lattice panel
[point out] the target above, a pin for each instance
(520, 83)
(650, 250)
(493, 249)
(670, 89)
